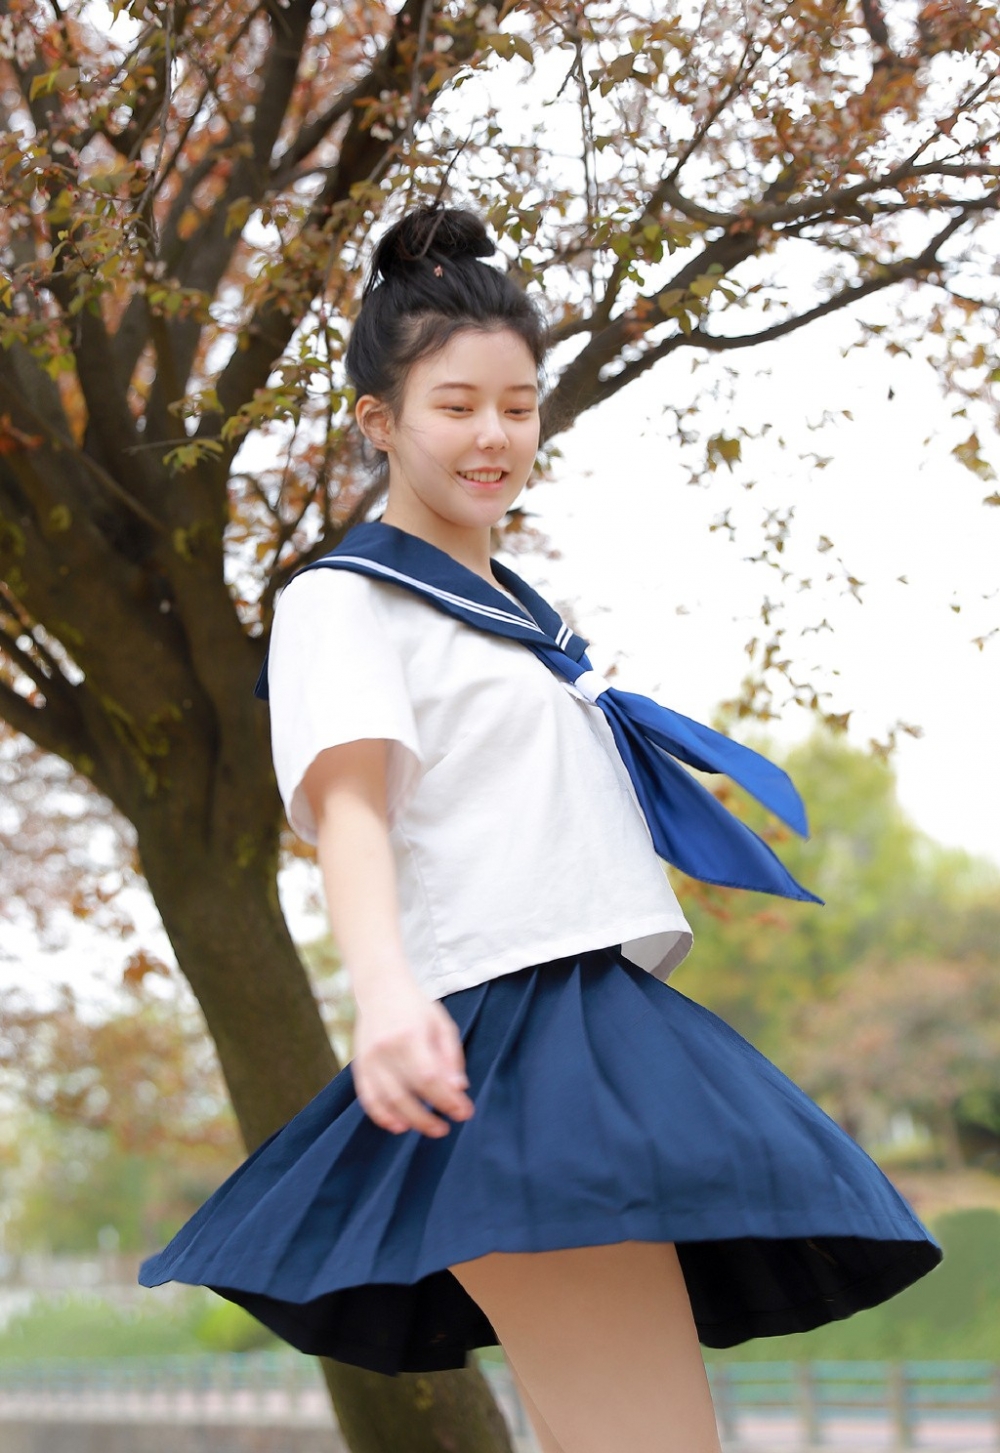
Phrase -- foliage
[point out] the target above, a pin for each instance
(951, 1313)
(120, 1122)
(67, 856)
(887, 998)
(917, 1035)
(225, 1327)
(117, 1123)
(87, 1326)
(887, 890)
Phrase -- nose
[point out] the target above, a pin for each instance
(492, 431)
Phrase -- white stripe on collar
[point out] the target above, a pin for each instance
(493, 612)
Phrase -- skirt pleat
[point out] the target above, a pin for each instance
(609, 1107)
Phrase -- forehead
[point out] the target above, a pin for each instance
(479, 358)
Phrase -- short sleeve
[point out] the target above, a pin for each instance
(335, 675)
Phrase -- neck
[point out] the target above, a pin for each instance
(468, 544)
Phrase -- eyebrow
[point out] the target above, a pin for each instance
(513, 389)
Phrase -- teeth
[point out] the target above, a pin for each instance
(483, 476)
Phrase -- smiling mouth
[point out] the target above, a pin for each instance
(483, 476)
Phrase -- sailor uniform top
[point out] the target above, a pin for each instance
(515, 828)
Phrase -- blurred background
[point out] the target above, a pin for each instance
(765, 236)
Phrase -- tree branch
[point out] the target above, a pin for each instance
(362, 157)
(109, 421)
(955, 169)
(207, 255)
(326, 542)
(835, 202)
(132, 334)
(592, 389)
(580, 384)
(31, 668)
(15, 398)
(744, 70)
(13, 610)
(61, 715)
(666, 190)
(211, 77)
(290, 27)
(311, 135)
(41, 724)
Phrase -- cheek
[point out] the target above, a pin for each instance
(440, 429)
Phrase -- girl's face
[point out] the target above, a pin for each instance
(464, 442)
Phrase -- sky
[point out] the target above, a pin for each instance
(672, 604)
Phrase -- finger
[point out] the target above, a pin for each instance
(397, 1106)
(448, 1093)
(407, 1107)
(375, 1099)
(449, 1045)
(431, 1082)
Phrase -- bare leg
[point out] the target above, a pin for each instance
(604, 1343)
(544, 1435)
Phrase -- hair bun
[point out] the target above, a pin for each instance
(429, 235)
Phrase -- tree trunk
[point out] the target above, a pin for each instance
(417, 1412)
(233, 946)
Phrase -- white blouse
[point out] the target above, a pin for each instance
(515, 831)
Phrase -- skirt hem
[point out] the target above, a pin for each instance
(538, 1237)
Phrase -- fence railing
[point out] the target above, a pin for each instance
(274, 1387)
(834, 1404)
(904, 1401)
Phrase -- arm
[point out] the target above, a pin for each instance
(406, 1046)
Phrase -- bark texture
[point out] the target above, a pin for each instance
(421, 1413)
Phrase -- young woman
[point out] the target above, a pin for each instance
(538, 1141)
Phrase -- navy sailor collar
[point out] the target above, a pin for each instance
(399, 558)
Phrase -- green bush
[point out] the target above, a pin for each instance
(88, 1326)
(225, 1327)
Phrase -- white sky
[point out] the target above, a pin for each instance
(674, 604)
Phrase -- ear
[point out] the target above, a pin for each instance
(374, 420)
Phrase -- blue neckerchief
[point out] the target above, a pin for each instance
(689, 826)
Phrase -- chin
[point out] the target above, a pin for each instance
(479, 513)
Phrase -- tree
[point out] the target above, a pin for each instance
(914, 1035)
(117, 1117)
(890, 894)
(187, 197)
(123, 1119)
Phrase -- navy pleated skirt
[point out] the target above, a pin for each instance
(609, 1107)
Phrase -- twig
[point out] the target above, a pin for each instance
(146, 199)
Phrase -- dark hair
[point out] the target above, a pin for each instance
(426, 284)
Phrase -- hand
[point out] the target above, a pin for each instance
(407, 1049)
